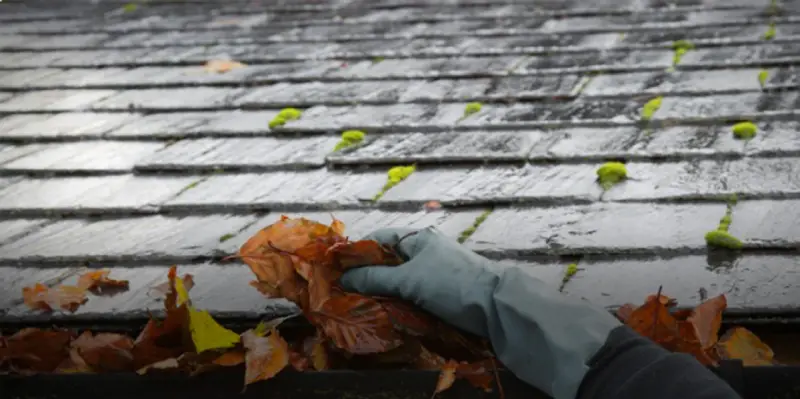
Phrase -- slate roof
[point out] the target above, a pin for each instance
(117, 150)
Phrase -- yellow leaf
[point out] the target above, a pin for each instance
(207, 333)
(183, 293)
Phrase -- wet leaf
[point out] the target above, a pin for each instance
(37, 350)
(222, 66)
(624, 312)
(478, 374)
(162, 339)
(447, 376)
(740, 343)
(364, 253)
(230, 358)
(265, 357)
(432, 206)
(357, 324)
(428, 360)
(163, 288)
(407, 318)
(170, 364)
(707, 319)
(66, 297)
(99, 283)
(105, 351)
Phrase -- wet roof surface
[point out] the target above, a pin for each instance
(117, 150)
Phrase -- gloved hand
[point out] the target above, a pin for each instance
(544, 337)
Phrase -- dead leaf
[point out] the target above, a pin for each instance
(66, 297)
(37, 350)
(357, 324)
(740, 343)
(707, 319)
(222, 66)
(624, 312)
(233, 357)
(353, 254)
(447, 376)
(171, 364)
(265, 357)
(428, 360)
(478, 374)
(99, 283)
(408, 319)
(105, 351)
(432, 206)
(163, 288)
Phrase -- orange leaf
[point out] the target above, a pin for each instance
(164, 288)
(428, 360)
(446, 377)
(707, 319)
(740, 343)
(315, 349)
(222, 66)
(298, 361)
(161, 340)
(98, 283)
(431, 206)
(357, 324)
(37, 350)
(40, 297)
(265, 356)
(625, 311)
(230, 358)
(364, 253)
(479, 374)
(105, 351)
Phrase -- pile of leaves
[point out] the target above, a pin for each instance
(301, 260)
(695, 331)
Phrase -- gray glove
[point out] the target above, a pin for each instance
(544, 337)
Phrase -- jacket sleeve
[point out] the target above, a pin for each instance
(630, 366)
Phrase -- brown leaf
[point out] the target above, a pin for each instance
(298, 361)
(447, 376)
(316, 350)
(624, 312)
(222, 66)
(428, 360)
(163, 288)
(37, 350)
(353, 254)
(407, 318)
(432, 206)
(74, 363)
(99, 284)
(66, 297)
(320, 285)
(707, 319)
(171, 364)
(478, 374)
(162, 339)
(740, 343)
(105, 351)
(265, 356)
(357, 324)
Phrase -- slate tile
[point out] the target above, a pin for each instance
(750, 283)
(700, 34)
(767, 53)
(710, 108)
(426, 67)
(281, 190)
(442, 147)
(590, 143)
(336, 93)
(10, 153)
(237, 122)
(373, 117)
(84, 156)
(25, 78)
(13, 279)
(560, 183)
(64, 41)
(160, 125)
(748, 177)
(76, 78)
(618, 84)
(141, 238)
(54, 100)
(83, 194)
(12, 229)
(536, 87)
(775, 138)
(446, 90)
(164, 99)
(359, 223)
(684, 142)
(69, 124)
(538, 43)
(767, 224)
(595, 228)
(609, 111)
(245, 153)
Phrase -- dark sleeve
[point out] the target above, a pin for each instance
(630, 366)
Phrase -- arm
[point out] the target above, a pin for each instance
(559, 344)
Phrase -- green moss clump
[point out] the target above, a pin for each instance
(471, 229)
(395, 175)
(571, 270)
(472, 108)
(226, 237)
(378, 60)
(286, 115)
(349, 139)
(771, 32)
(745, 130)
(611, 173)
(130, 7)
(762, 77)
(649, 109)
(722, 239)
(680, 48)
